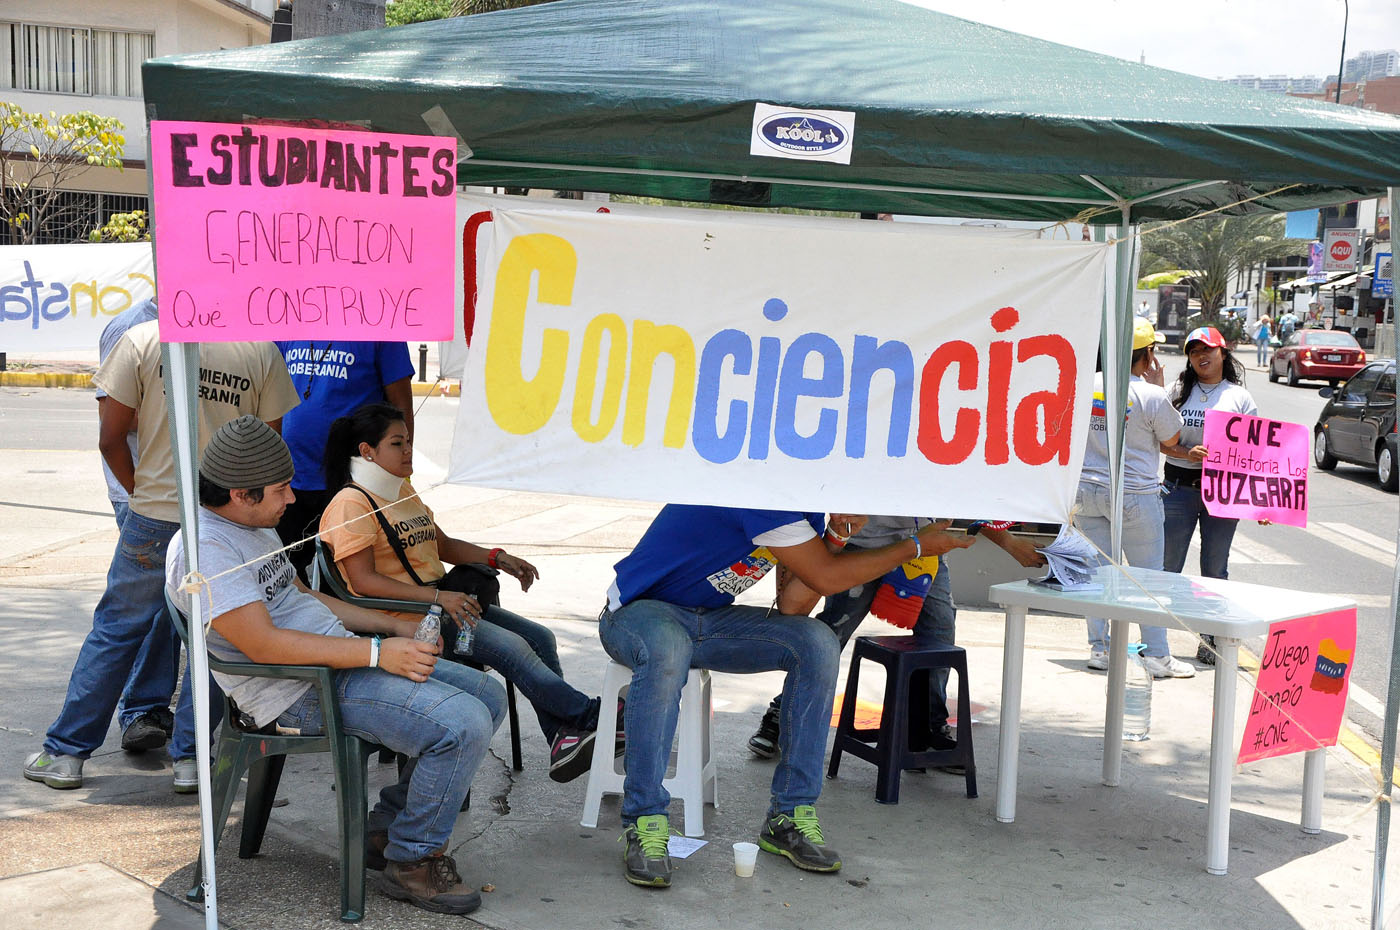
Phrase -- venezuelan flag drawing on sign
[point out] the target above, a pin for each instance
(700, 356)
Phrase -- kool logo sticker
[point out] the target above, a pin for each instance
(808, 135)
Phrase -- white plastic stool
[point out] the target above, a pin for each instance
(694, 780)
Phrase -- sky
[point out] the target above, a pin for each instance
(1209, 38)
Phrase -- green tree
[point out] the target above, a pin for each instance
(403, 12)
(123, 227)
(1213, 249)
(41, 155)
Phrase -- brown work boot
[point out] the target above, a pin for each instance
(431, 883)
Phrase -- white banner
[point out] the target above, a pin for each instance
(58, 298)
(756, 360)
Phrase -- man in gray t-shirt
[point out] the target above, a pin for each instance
(392, 689)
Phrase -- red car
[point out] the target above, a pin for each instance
(1317, 355)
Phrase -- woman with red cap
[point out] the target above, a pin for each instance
(1212, 380)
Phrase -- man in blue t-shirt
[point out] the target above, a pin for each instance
(671, 608)
(334, 380)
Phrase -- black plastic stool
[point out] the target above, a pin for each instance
(905, 714)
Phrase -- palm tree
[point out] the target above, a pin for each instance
(469, 7)
(1214, 248)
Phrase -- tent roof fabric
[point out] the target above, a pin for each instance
(656, 97)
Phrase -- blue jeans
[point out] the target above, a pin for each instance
(152, 678)
(1142, 547)
(525, 654)
(1184, 510)
(444, 723)
(1261, 352)
(662, 642)
(937, 625)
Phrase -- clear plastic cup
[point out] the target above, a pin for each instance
(745, 855)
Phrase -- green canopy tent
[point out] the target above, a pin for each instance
(951, 117)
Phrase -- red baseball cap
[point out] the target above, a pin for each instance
(1208, 335)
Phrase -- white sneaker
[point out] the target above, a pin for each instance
(1098, 660)
(186, 779)
(1168, 667)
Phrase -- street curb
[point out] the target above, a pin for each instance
(51, 379)
(443, 386)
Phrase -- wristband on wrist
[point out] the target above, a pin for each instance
(374, 651)
(436, 594)
(836, 539)
(918, 546)
(492, 556)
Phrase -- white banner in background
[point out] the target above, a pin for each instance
(59, 298)
(772, 361)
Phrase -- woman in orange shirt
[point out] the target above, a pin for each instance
(369, 456)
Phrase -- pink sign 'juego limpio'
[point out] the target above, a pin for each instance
(1301, 692)
(283, 232)
(1255, 468)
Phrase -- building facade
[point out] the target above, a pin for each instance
(67, 56)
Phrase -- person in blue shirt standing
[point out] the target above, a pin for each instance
(671, 608)
(334, 379)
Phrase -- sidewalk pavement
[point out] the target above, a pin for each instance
(118, 852)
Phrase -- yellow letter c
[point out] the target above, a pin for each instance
(518, 404)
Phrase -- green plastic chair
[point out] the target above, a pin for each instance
(262, 754)
(334, 584)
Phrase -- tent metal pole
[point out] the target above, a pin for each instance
(1181, 189)
(1392, 703)
(1117, 197)
(1116, 352)
(181, 374)
(793, 182)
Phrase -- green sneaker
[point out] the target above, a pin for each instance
(798, 836)
(646, 860)
(58, 771)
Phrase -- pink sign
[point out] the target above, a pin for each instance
(1255, 468)
(283, 232)
(1301, 692)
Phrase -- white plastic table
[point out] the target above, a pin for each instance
(1228, 610)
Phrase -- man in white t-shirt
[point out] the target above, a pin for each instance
(1151, 420)
(392, 689)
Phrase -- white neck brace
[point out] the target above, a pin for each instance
(375, 479)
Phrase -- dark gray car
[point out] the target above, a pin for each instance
(1358, 424)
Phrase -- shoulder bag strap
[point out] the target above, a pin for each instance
(393, 537)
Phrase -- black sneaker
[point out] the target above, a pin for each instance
(798, 836)
(764, 742)
(376, 841)
(145, 732)
(1205, 652)
(571, 753)
(645, 860)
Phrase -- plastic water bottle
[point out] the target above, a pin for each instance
(430, 626)
(1137, 697)
(466, 639)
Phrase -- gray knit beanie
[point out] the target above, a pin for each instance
(246, 453)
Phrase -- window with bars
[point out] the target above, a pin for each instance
(73, 214)
(69, 60)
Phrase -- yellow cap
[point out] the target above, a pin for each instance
(1144, 335)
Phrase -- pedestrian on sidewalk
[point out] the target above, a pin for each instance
(393, 690)
(235, 378)
(671, 608)
(1262, 335)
